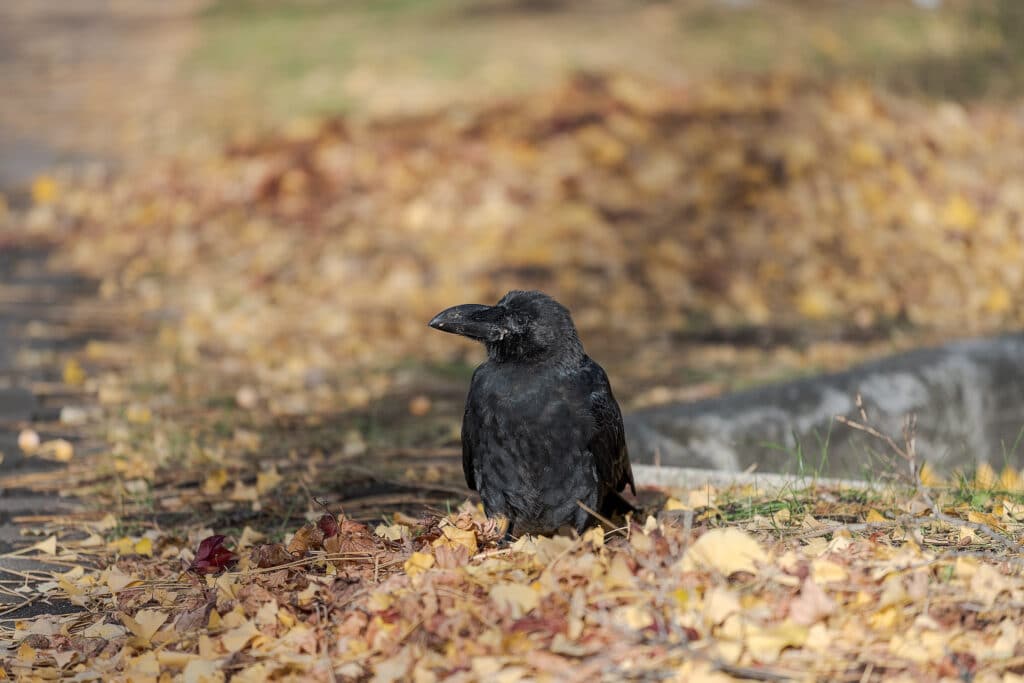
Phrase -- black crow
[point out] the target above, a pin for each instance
(542, 429)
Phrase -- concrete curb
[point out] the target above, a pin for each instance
(693, 478)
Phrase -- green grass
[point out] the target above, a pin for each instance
(279, 59)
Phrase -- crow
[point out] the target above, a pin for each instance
(542, 431)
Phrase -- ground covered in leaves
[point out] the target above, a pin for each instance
(654, 211)
(813, 584)
(262, 365)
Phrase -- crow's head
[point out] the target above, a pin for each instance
(524, 326)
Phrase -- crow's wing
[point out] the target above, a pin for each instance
(470, 435)
(608, 444)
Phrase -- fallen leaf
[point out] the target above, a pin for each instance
(418, 563)
(212, 556)
(514, 598)
(271, 555)
(239, 637)
(725, 550)
(145, 623)
(28, 441)
(308, 537)
(812, 605)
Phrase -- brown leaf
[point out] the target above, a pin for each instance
(307, 538)
(270, 555)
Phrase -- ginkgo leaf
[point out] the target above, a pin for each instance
(237, 638)
(145, 623)
(514, 598)
(724, 550)
(418, 563)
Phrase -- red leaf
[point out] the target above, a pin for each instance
(328, 524)
(212, 556)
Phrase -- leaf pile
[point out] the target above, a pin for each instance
(648, 208)
(266, 270)
(782, 592)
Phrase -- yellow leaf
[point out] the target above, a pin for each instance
(418, 563)
(1010, 480)
(984, 518)
(959, 212)
(268, 480)
(885, 619)
(174, 658)
(999, 300)
(720, 604)
(241, 492)
(463, 537)
(594, 537)
(254, 673)
(207, 649)
(1014, 511)
(47, 547)
(985, 477)
(825, 571)
(865, 153)
(26, 653)
(619, 574)
(106, 631)
(766, 644)
(725, 550)
(307, 596)
(815, 547)
(215, 482)
(44, 189)
(60, 450)
(514, 598)
(145, 665)
(138, 414)
(875, 517)
(73, 374)
(202, 671)
(250, 537)
(391, 533)
(144, 547)
(674, 504)
(930, 478)
(123, 545)
(816, 303)
(237, 638)
(145, 623)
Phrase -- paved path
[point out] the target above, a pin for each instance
(84, 81)
(88, 79)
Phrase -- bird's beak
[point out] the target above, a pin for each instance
(483, 323)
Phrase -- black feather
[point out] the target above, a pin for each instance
(542, 430)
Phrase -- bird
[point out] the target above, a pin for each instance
(542, 436)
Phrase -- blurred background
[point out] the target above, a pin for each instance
(274, 196)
